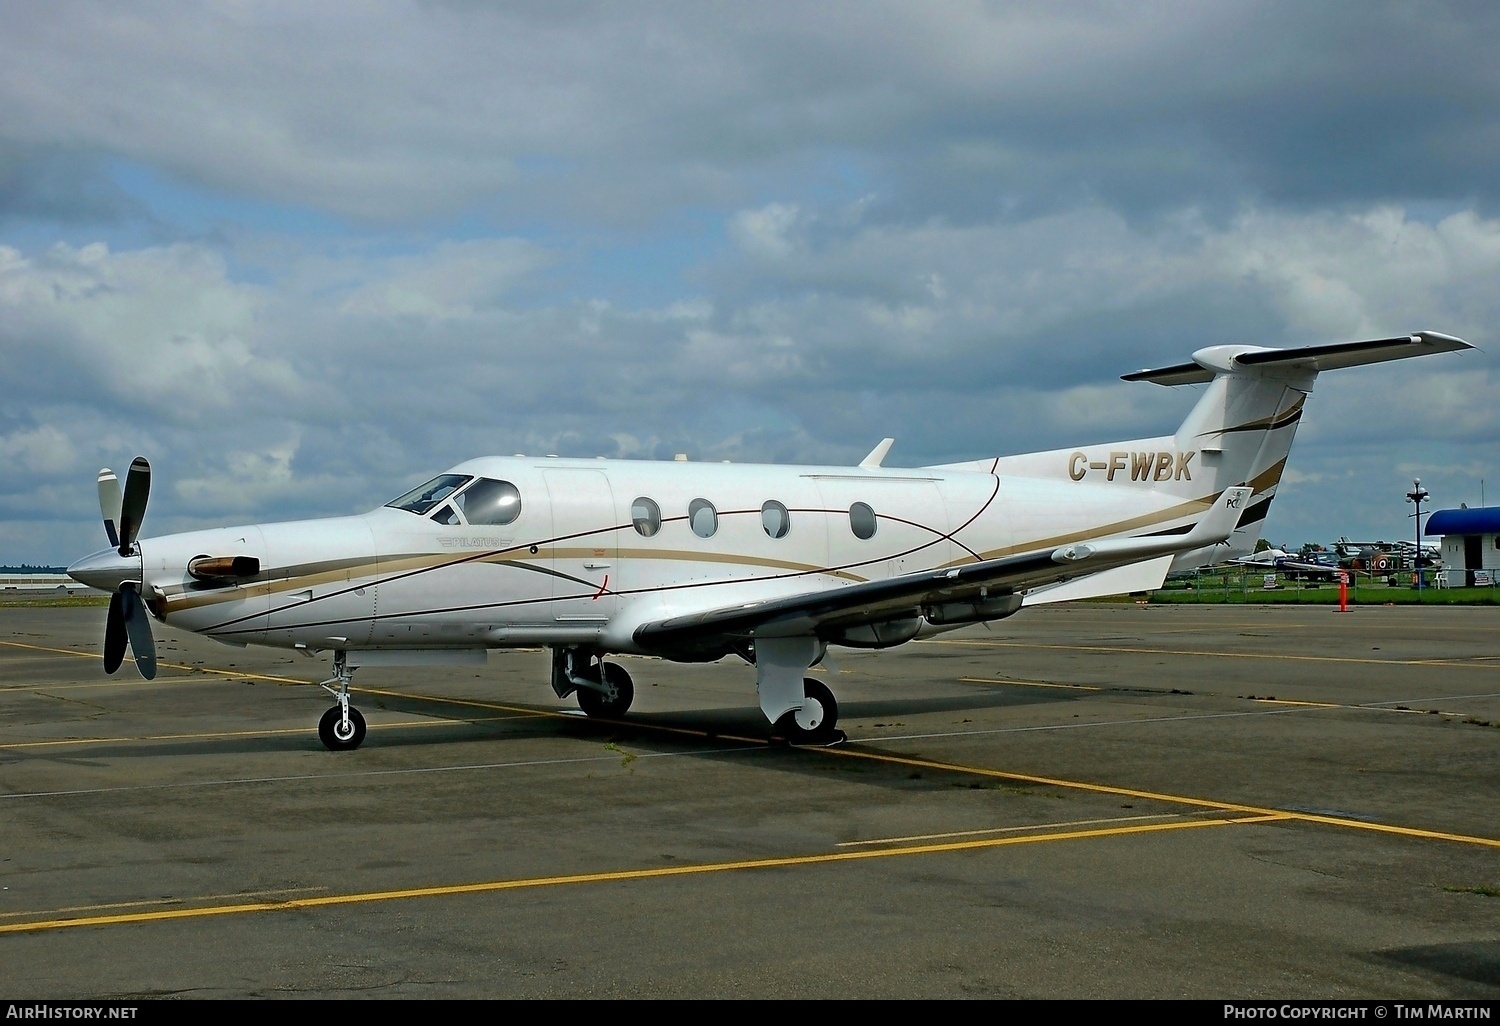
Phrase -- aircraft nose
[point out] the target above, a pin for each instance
(106, 570)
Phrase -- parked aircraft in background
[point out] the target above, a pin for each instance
(1384, 557)
(1265, 558)
(1313, 566)
(1428, 555)
(694, 562)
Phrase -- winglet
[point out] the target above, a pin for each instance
(877, 455)
(1213, 529)
(1221, 519)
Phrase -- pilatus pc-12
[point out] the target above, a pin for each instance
(694, 562)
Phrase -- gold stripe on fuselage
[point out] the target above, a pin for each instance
(359, 573)
(1182, 509)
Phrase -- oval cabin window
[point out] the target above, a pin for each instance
(775, 519)
(703, 517)
(862, 520)
(645, 515)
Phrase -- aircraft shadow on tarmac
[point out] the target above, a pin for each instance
(483, 718)
(1476, 961)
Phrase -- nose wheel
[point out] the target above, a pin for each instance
(341, 733)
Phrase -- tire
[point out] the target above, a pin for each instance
(614, 701)
(331, 726)
(821, 714)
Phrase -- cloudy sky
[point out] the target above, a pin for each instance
(303, 256)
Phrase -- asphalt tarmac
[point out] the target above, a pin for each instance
(1091, 801)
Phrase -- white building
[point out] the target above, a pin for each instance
(1470, 544)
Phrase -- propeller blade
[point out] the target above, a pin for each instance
(138, 627)
(133, 503)
(114, 634)
(109, 505)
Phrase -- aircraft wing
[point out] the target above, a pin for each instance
(1300, 566)
(826, 612)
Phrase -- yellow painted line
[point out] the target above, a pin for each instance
(55, 651)
(403, 695)
(159, 901)
(495, 886)
(1218, 654)
(221, 734)
(15, 689)
(564, 714)
(160, 664)
(1171, 799)
(1028, 684)
(1006, 830)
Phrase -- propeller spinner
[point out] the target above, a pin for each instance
(119, 568)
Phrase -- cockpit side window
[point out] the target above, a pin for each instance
(487, 501)
(422, 498)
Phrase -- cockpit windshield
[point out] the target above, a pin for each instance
(423, 497)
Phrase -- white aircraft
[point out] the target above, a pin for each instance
(693, 562)
(1267, 558)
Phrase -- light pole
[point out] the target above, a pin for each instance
(1417, 495)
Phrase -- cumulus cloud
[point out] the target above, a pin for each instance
(162, 329)
(392, 111)
(453, 280)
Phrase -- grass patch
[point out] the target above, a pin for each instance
(1488, 892)
(54, 602)
(1250, 590)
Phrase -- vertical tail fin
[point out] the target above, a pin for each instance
(1242, 428)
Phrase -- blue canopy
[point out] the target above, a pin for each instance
(1485, 520)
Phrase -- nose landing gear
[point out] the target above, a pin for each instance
(342, 727)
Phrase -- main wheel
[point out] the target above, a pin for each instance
(338, 736)
(816, 723)
(614, 701)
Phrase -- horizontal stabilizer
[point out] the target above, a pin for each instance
(1247, 359)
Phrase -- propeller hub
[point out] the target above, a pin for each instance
(106, 570)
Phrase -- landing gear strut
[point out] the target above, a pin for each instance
(342, 727)
(604, 689)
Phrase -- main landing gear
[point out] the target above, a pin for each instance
(816, 723)
(342, 727)
(800, 708)
(604, 690)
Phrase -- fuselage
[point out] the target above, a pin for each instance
(577, 552)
